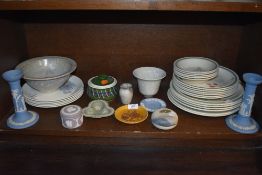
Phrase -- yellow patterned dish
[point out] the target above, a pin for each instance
(131, 116)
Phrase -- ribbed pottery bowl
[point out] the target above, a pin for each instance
(102, 87)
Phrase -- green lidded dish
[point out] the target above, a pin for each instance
(102, 87)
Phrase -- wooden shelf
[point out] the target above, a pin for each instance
(191, 129)
(173, 5)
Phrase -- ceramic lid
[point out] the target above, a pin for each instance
(110, 84)
(71, 111)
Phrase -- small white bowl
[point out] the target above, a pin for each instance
(149, 79)
(47, 73)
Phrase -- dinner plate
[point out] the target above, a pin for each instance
(68, 93)
(73, 85)
(199, 112)
(204, 108)
(72, 98)
(203, 95)
(225, 79)
(207, 90)
(195, 77)
(54, 104)
(234, 99)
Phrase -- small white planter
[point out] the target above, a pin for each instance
(149, 79)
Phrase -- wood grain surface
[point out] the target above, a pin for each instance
(177, 5)
(12, 51)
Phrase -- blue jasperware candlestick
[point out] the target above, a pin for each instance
(243, 122)
(21, 118)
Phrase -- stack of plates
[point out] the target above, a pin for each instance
(224, 85)
(219, 96)
(196, 68)
(68, 93)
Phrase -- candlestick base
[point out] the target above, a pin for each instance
(241, 124)
(22, 120)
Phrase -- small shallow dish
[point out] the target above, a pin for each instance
(153, 104)
(164, 119)
(131, 116)
(98, 109)
(47, 73)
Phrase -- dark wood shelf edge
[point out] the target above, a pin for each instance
(185, 143)
(238, 141)
(168, 5)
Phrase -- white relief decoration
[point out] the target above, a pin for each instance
(242, 110)
(69, 123)
(71, 109)
(245, 109)
(19, 101)
(250, 100)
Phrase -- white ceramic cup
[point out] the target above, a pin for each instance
(149, 79)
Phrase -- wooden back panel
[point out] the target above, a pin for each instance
(117, 49)
(12, 50)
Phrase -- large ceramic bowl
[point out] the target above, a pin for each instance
(47, 73)
(149, 79)
(105, 91)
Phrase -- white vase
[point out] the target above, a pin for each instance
(149, 79)
(126, 93)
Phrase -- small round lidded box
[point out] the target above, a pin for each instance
(71, 116)
(102, 87)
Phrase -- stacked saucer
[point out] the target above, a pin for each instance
(214, 97)
(71, 91)
(196, 68)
